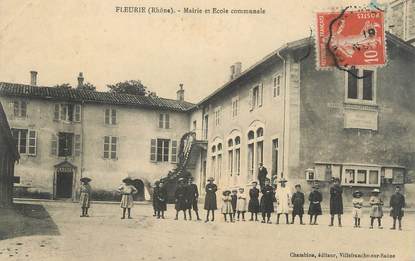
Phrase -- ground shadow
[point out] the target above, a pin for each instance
(26, 220)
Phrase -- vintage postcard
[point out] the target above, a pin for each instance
(151, 130)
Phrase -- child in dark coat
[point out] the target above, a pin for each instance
(314, 209)
(267, 201)
(253, 204)
(336, 202)
(298, 204)
(397, 202)
(161, 200)
(234, 197)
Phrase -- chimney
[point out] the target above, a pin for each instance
(33, 78)
(152, 94)
(180, 93)
(80, 80)
(236, 70)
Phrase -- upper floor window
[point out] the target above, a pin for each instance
(163, 150)
(256, 96)
(235, 106)
(363, 89)
(110, 147)
(218, 115)
(110, 116)
(20, 108)
(164, 120)
(66, 144)
(276, 86)
(67, 112)
(25, 140)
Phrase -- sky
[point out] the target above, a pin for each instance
(61, 38)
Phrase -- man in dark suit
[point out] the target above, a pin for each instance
(262, 175)
(192, 194)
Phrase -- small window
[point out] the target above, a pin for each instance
(218, 112)
(110, 116)
(260, 132)
(67, 112)
(213, 149)
(219, 147)
(235, 105)
(110, 147)
(276, 86)
(251, 135)
(20, 108)
(237, 140)
(362, 89)
(230, 143)
(164, 121)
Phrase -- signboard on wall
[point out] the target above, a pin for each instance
(360, 119)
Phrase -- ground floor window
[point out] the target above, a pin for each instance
(163, 150)
(361, 176)
(25, 140)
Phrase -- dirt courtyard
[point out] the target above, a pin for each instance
(60, 234)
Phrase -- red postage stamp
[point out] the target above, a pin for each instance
(350, 38)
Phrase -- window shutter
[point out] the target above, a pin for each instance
(113, 116)
(161, 117)
(153, 150)
(77, 148)
(107, 116)
(23, 108)
(32, 142)
(251, 104)
(261, 94)
(54, 145)
(56, 112)
(63, 111)
(167, 120)
(16, 108)
(77, 112)
(174, 151)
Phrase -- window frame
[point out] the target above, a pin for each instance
(18, 110)
(111, 144)
(360, 84)
(356, 169)
(164, 120)
(28, 138)
(276, 85)
(58, 114)
(110, 116)
(235, 107)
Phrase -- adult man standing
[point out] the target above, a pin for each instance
(283, 196)
(262, 175)
(336, 201)
(192, 194)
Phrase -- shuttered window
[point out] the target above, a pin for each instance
(20, 108)
(153, 150)
(67, 112)
(164, 120)
(77, 145)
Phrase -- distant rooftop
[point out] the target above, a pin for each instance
(77, 95)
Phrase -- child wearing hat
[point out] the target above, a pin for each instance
(357, 207)
(85, 195)
(241, 206)
(253, 204)
(314, 209)
(297, 200)
(127, 190)
(210, 199)
(234, 197)
(227, 205)
(376, 211)
(397, 203)
(283, 196)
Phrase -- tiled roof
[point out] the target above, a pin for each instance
(75, 95)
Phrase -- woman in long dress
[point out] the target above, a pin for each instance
(85, 195)
(127, 190)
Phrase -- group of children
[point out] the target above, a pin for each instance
(234, 203)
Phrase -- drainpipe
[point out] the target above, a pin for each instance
(285, 101)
